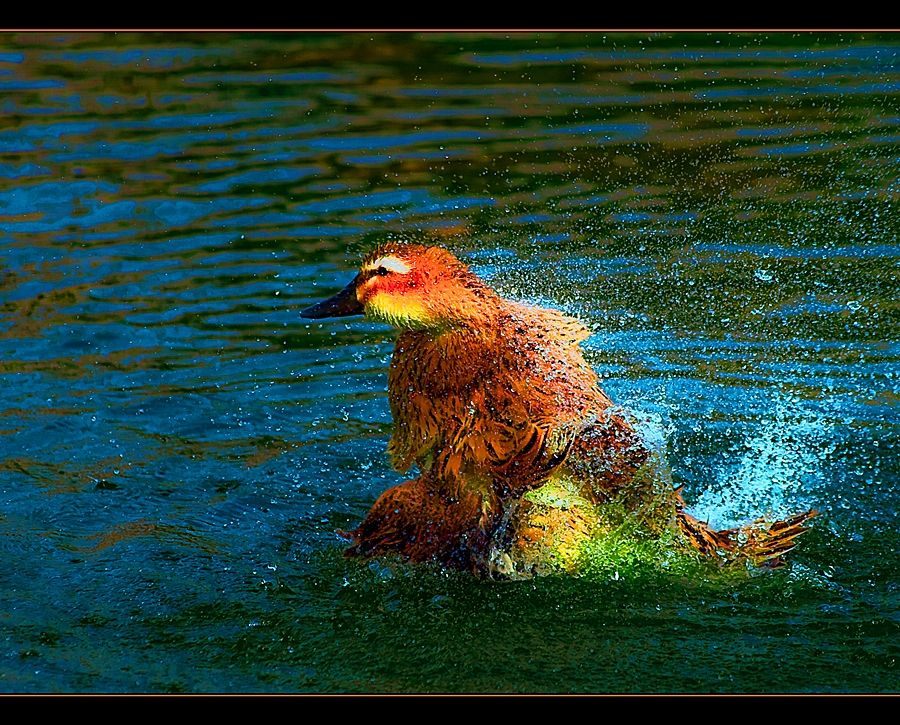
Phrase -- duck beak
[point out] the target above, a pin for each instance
(343, 304)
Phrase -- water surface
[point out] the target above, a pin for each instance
(178, 447)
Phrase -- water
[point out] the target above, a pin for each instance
(178, 447)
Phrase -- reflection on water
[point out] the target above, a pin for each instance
(177, 447)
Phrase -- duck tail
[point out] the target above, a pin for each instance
(761, 543)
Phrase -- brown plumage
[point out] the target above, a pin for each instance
(492, 399)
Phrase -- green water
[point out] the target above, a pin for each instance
(178, 447)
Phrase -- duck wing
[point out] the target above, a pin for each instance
(498, 409)
(530, 404)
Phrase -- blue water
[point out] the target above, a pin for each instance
(178, 447)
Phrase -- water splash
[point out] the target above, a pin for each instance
(775, 476)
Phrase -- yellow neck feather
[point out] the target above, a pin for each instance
(407, 314)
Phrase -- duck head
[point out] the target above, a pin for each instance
(411, 287)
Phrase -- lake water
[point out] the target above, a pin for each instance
(178, 447)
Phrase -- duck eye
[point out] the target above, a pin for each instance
(382, 271)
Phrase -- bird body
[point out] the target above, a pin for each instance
(517, 446)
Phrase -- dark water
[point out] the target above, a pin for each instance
(177, 447)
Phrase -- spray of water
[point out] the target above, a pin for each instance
(774, 476)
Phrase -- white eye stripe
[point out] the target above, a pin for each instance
(392, 264)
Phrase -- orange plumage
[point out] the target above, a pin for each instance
(491, 399)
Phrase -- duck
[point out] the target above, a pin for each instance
(521, 456)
